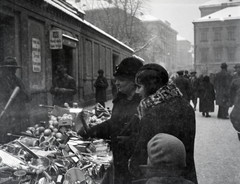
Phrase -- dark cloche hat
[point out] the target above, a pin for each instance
(128, 67)
(224, 65)
(161, 71)
(10, 62)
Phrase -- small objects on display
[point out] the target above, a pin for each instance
(51, 152)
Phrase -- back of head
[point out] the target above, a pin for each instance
(180, 73)
(165, 150)
(224, 65)
(206, 79)
(100, 71)
(152, 76)
(128, 68)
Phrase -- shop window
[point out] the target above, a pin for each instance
(217, 33)
(231, 32)
(218, 54)
(204, 34)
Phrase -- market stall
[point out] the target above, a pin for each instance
(52, 151)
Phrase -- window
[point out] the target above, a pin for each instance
(204, 34)
(217, 33)
(204, 55)
(231, 32)
(218, 54)
(231, 53)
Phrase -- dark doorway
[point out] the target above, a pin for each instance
(63, 56)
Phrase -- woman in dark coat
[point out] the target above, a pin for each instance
(124, 109)
(162, 110)
(206, 95)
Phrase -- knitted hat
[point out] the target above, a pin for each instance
(165, 150)
(128, 67)
(10, 62)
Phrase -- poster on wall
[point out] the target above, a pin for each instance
(36, 55)
(55, 39)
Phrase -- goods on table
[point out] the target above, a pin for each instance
(52, 152)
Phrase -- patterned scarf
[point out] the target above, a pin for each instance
(163, 94)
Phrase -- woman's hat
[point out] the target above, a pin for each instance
(128, 67)
(10, 62)
(161, 71)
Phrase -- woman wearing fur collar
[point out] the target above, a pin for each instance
(162, 110)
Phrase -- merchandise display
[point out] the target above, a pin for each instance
(52, 152)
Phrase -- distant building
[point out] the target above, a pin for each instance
(184, 54)
(161, 42)
(152, 39)
(216, 36)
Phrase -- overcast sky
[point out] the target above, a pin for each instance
(180, 14)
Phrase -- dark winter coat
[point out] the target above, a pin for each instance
(184, 85)
(162, 177)
(174, 116)
(101, 85)
(222, 83)
(123, 111)
(16, 117)
(63, 90)
(206, 95)
(235, 100)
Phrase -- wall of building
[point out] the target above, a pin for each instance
(211, 52)
(25, 35)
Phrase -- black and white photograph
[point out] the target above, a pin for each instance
(119, 91)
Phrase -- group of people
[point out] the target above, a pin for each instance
(208, 89)
(152, 127)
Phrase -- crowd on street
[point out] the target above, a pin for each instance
(152, 126)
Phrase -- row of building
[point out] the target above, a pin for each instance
(44, 33)
(216, 36)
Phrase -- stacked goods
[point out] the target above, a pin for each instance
(52, 152)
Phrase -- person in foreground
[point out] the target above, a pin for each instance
(124, 109)
(162, 110)
(166, 161)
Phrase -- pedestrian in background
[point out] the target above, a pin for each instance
(222, 86)
(162, 110)
(63, 88)
(101, 85)
(206, 95)
(166, 161)
(194, 84)
(124, 110)
(183, 84)
(16, 117)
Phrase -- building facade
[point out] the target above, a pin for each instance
(184, 54)
(42, 34)
(216, 39)
(160, 42)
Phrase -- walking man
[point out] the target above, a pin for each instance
(222, 86)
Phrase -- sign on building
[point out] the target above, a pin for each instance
(36, 55)
(55, 39)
